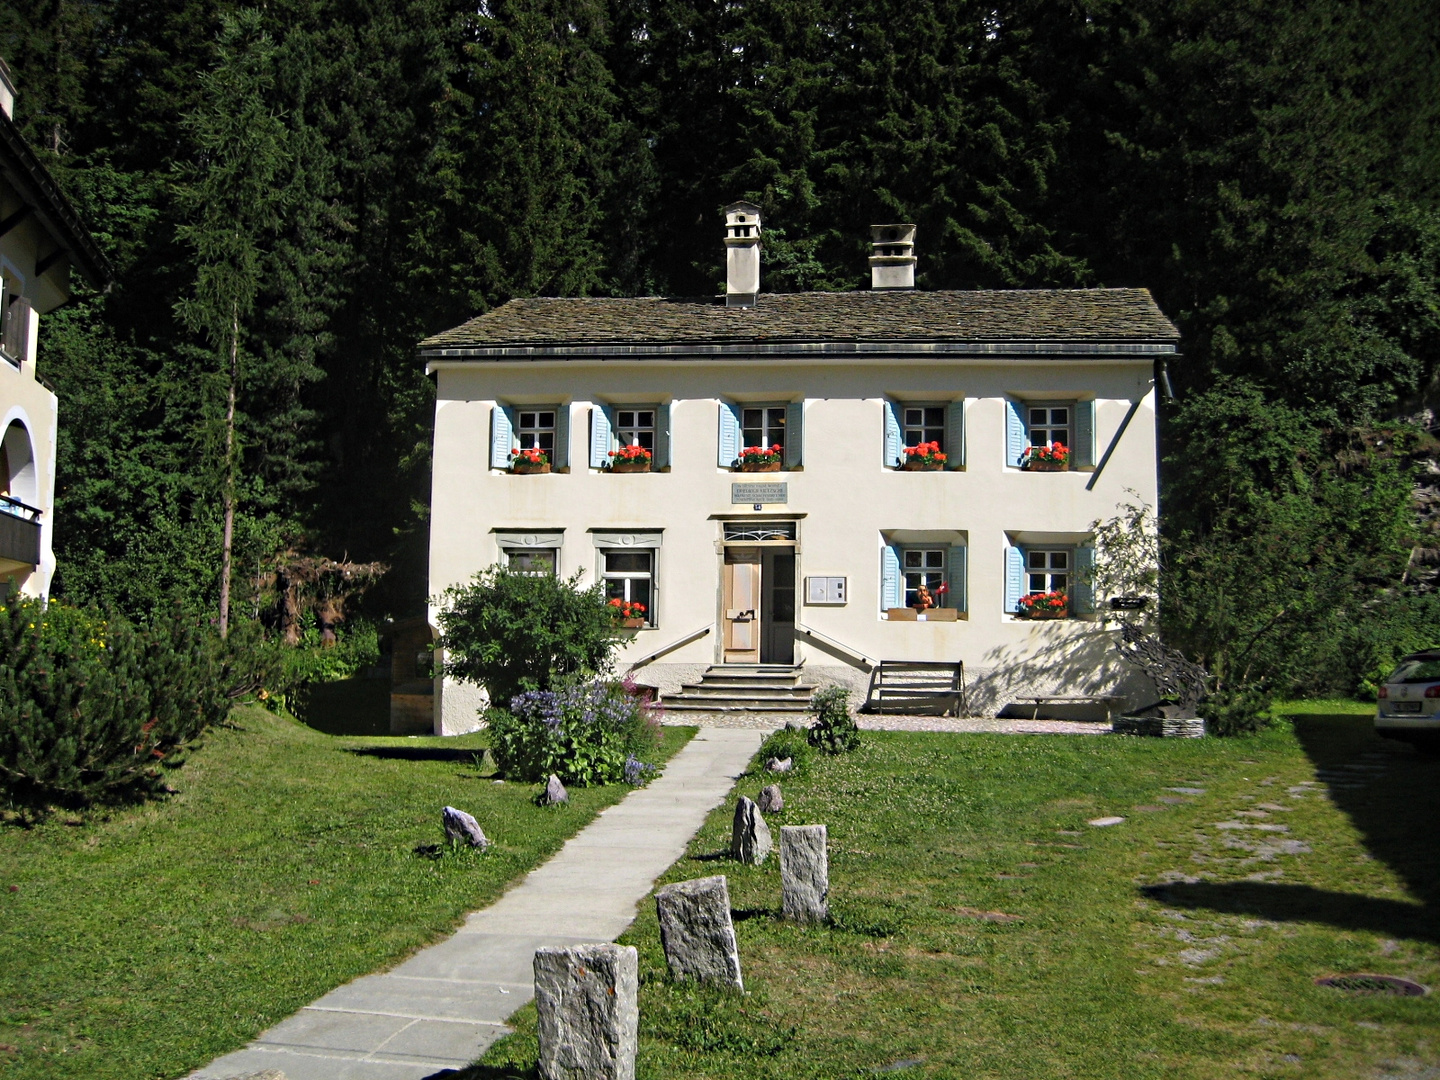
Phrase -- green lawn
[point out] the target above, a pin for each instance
(983, 929)
(144, 945)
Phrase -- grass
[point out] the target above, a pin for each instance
(147, 943)
(981, 929)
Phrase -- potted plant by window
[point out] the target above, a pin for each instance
(1052, 458)
(760, 459)
(926, 457)
(1043, 605)
(628, 614)
(525, 462)
(630, 459)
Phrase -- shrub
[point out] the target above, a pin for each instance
(1242, 711)
(91, 706)
(584, 732)
(834, 730)
(786, 743)
(512, 632)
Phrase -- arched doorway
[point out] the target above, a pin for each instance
(17, 468)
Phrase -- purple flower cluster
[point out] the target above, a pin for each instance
(636, 771)
(589, 704)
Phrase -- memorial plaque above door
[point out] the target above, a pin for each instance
(759, 493)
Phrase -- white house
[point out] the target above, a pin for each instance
(814, 570)
(41, 240)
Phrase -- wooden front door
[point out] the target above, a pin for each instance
(742, 606)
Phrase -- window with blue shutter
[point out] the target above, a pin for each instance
(1014, 578)
(894, 444)
(1082, 587)
(560, 455)
(1017, 434)
(1083, 452)
(602, 427)
(955, 578)
(890, 594)
(955, 435)
(728, 442)
(502, 436)
(794, 434)
(662, 438)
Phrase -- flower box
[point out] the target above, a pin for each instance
(922, 465)
(941, 614)
(926, 457)
(631, 624)
(1047, 466)
(901, 614)
(528, 469)
(1062, 613)
(639, 465)
(760, 466)
(1054, 457)
(1043, 605)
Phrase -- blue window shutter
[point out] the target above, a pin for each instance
(729, 440)
(602, 434)
(891, 594)
(560, 458)
(1083, 452)
(955, 435)
(794, 434)
(1082, 591)
(894, 440)
(502, 436)
(955, 578)
(1017, 432)
(662, 439)
(1014, 578)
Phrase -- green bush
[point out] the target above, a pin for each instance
(1242, 711)
(585, 733)
(834, 730)
(91, 706)
(789, 743)
(512, 632)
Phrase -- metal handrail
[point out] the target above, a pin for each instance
(694, 635)
(33, 512)
(802, 631)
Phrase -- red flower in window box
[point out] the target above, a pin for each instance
(926, 457)
(1043, 605)
(630, 459)
(628, 614)
(1052, 458)
(760, 458)
(534, 460)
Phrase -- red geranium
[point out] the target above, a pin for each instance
(1055, 452)
(630, 453)
(533, 456)
(1043, 603)
(926, 453)
(760, 455)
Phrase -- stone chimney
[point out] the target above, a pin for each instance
(742, 254)
(892, 256)
(7, 90)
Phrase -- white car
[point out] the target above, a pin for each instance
(1410, 702)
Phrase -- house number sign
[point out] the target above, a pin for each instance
(759, 493)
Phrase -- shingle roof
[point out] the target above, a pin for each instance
(1082, 315)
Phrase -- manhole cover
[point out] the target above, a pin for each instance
(1391, 985)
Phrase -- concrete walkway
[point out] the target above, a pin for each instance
(440, 1009)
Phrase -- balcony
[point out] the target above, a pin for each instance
(19, 534)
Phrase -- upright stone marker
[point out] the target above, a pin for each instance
(589, 1015)
(697, 933)
(804, 873)
(771, 801)
(462, 828)
(750, 840)
(555, 792)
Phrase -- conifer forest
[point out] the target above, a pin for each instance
(292, 194)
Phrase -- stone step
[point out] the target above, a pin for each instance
(727, 705)
(759, 679)
(705, 690)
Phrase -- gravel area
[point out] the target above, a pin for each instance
(890, 722)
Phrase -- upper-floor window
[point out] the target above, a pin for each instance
(924, 568)
(1049, 424)
(1047, 570)
(536, 429)
(937, 425)
(635, 427)
(763, 426)
(1043, 423)
(924, 424)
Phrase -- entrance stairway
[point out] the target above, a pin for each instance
(731, 688)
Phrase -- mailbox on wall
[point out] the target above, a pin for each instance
(824, 590)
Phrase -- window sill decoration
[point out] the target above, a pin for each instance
(760, 459)
(627, 614)
(1043, 605)
(926, 457)
(1052, 458)
(528, 462)
(630, 459)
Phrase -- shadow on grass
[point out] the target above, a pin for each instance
(346, 707)
(1391, 794)
(418, 753)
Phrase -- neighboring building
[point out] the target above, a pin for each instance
(815, 565)
(41, 241)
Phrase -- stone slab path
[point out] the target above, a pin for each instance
(441, 1008)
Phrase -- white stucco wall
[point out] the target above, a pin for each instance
(844, 498)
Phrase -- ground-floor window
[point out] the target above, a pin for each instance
(536, 561)
(630, 576)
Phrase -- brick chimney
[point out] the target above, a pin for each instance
(892, 256)
(742, 254)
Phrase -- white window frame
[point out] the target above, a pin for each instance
(1049, 571)
(632, 434)
(626, 577)
(924, 572)
(512, 553)
(536, 431)
(765, 425)
(1050, 428)
(906, 427)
